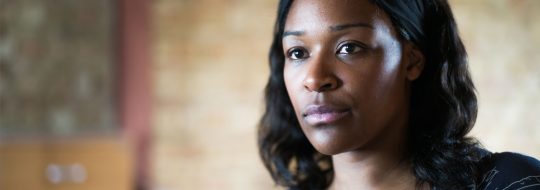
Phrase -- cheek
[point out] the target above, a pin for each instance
(289, 80)
(392, 60)
(386, 76)
(377, 88)
(291, 84)
(378, 75)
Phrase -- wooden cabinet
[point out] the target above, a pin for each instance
(88, 164)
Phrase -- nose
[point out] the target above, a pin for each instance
(321, 76)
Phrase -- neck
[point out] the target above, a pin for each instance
(359, 171)
(384, 165)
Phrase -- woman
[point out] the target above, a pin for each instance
(376, 94)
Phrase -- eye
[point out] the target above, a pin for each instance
(297, 53)
(349, 48)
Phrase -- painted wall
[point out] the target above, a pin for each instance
(57, 68)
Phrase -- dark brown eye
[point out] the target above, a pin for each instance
(297, 53)
(349, 48)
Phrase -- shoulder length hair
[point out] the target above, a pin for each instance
(443, 106)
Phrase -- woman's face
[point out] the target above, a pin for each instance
(347, 74)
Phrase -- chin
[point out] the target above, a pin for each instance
(331, 150)
(328, 151)
(329, 144)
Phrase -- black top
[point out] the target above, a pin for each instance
(509, 171)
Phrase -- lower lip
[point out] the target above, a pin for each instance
(325, 118)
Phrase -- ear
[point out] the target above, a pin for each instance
(415, 61)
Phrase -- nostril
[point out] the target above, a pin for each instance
(326, 84)
(325, 87)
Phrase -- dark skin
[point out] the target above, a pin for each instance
(348, 75)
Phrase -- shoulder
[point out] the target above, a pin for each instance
(509, 170)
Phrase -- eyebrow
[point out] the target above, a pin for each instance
(347, 26)
(293, 33)
(332, 29)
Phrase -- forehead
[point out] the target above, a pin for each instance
(317, 14)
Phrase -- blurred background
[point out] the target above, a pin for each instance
(166, 94)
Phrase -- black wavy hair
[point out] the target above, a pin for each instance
(443, 106)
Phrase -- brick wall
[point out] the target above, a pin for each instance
(210, 69)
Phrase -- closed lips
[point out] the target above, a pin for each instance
(322, 114)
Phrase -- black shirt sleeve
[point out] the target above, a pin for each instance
(509, 171)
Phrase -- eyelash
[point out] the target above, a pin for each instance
(297, 49)
(356, 45)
